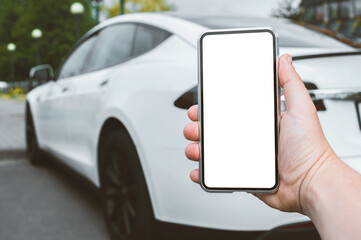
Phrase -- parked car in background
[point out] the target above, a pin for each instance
(3, 86)
(115, 111)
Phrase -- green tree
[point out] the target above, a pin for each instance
(288, 9)
(19, 17)
(138, 6)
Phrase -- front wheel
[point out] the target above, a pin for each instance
(127, 207)
(34, 154)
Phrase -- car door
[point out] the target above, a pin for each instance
(51, 117)
(58, 106)
(89, 92)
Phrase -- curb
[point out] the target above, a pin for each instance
(12, 154)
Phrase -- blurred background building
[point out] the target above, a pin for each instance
(340, 16)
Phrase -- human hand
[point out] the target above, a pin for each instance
(303, 148)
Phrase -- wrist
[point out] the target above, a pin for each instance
(315, 180)
(330, 197)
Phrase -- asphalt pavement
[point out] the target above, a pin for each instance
(12, 128)
(45, 202)
(49, 202)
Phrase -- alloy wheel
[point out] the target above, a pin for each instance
(119, 195)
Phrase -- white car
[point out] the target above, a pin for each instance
(117, 107)
(3, 86)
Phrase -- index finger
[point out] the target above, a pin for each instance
(193, 113)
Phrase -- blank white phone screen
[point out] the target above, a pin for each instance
(239, 110)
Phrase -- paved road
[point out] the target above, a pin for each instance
(48, 203)
(40, 203)
(12, 128)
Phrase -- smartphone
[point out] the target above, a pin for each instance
(238, 96)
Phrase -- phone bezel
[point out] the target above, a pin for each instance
(276, 105)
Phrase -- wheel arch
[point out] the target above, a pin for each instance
(30, 111)
(109, 125)
(27, 108)
(29, 114)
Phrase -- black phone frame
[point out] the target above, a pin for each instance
(276, 107)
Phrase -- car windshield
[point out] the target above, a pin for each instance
(291, 34)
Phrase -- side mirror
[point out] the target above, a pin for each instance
(42, 73)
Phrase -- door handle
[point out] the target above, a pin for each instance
(105, 82)
(351, 94)
(341, 94)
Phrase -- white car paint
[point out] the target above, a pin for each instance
(141, 93)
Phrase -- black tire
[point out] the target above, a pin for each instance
(126, 202)
(34, 154)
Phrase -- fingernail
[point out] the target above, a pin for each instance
(289, 60)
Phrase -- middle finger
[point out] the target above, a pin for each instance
(192, 151)
(191, 131)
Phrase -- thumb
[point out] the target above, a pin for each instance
(295, 92)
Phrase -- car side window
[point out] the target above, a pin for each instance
(75, 62)
(148, 37)
(114, 46)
